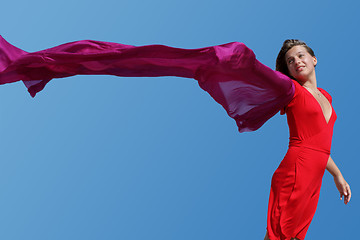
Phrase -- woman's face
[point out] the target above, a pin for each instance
(300, 63)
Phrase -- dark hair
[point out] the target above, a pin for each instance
(281, 65)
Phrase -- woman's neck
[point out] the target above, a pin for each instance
(309, 83)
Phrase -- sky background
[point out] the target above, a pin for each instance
(103, 157)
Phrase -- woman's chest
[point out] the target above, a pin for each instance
(317, 102)
(310, 116)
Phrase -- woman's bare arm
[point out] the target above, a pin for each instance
(341, 184)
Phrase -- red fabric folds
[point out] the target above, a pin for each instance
(250, 92)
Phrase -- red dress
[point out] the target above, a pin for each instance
(295, 185)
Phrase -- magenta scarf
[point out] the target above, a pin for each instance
(249, 91)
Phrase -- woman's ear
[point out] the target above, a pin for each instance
(315, 61)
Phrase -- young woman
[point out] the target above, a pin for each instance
(295, 186)
(250, 92)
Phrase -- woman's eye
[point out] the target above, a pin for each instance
(301, 55)
(291, 61)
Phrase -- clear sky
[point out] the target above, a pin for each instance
(102, 157)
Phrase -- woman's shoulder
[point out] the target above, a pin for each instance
(297, 95)
(299, 90)
(326, 94)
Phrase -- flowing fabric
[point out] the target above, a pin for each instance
(249, 91)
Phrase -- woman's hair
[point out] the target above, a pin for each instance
(281, 65)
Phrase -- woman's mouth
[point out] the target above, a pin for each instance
(300, 68)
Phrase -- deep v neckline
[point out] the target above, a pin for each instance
(322, 111)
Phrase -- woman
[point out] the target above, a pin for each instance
(296, 183)
(250, 92)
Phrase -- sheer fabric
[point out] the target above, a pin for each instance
(249, 91)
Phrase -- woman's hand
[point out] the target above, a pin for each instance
(340, 182)
(343, 187)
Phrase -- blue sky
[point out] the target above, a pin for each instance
(102, 157)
